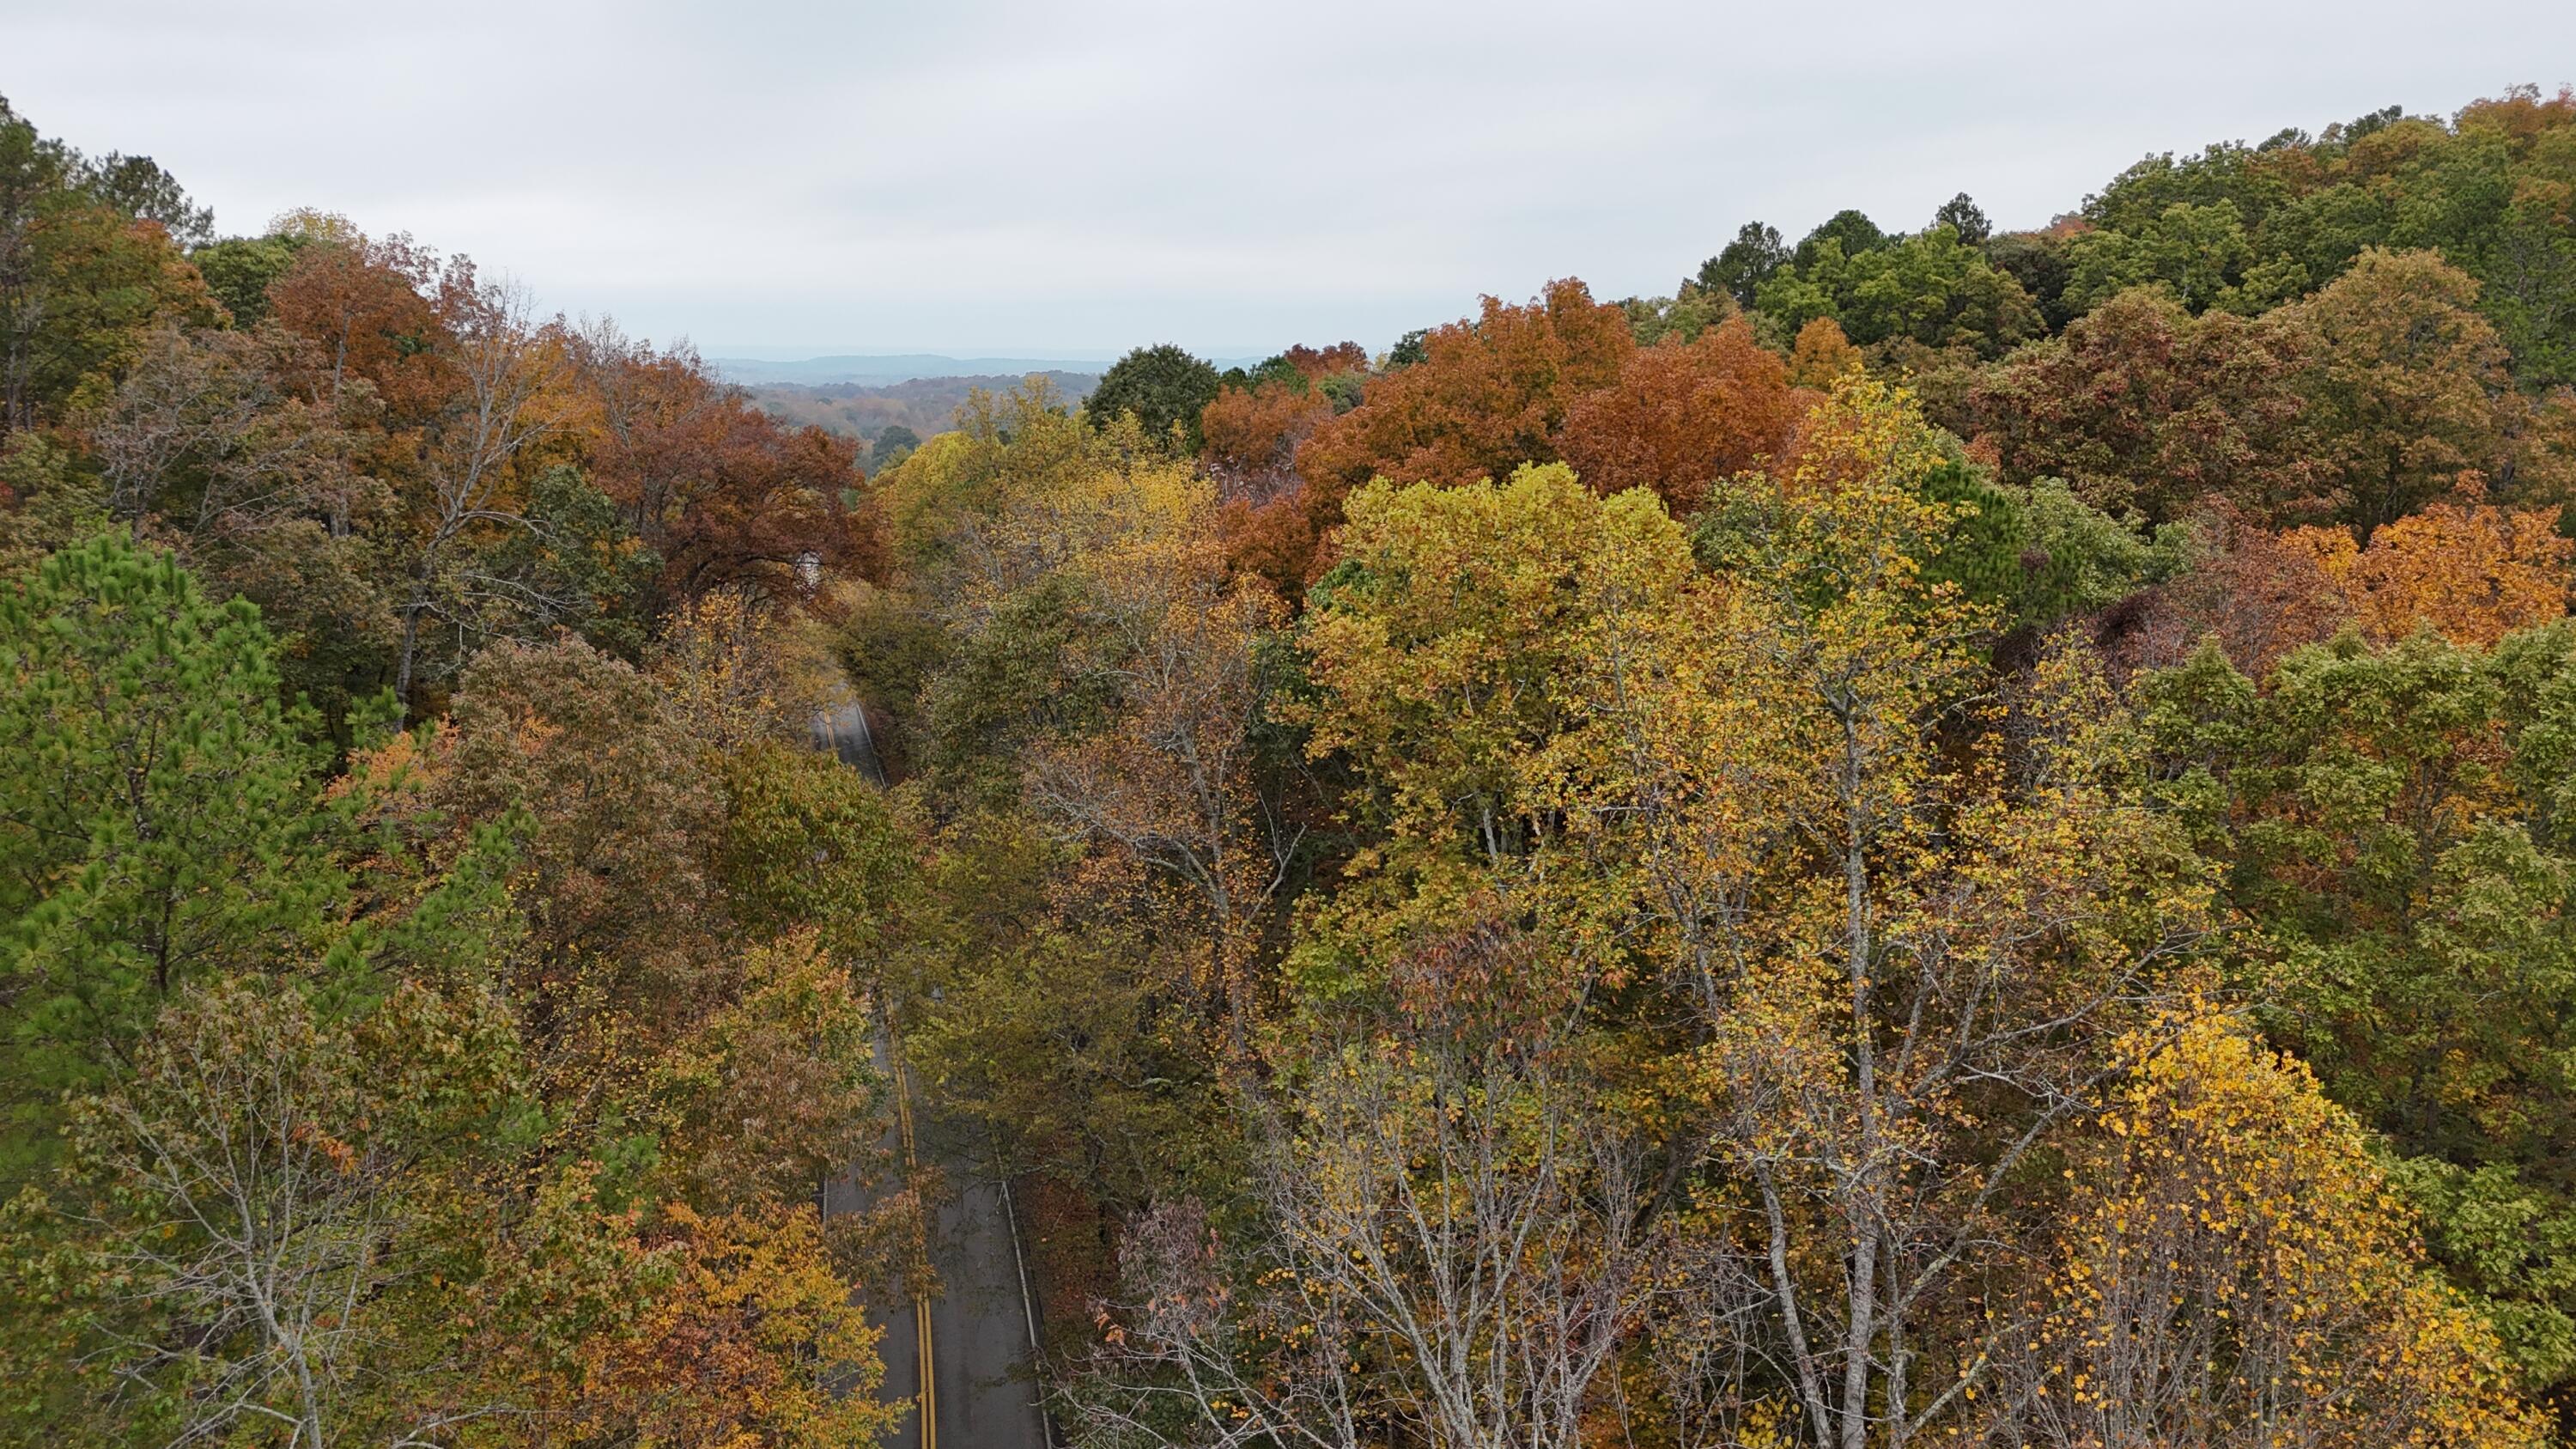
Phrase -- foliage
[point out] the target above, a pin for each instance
(2236, 1272)
(1683, 415)
(1164, 387)
(159, 809)
(1931, 288)
(1939, 835)
(1745, 264)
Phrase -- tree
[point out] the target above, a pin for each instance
(809, 844)
(1164, 386)
(139, 188)
(1683, 415)
(2405, 385)
(1745, 264)
(1451, 1243)
(160, 810)
(1488, 396)
(2199, 255)
(718, 491)
(1965, 219)
(251, 1205)
(1435, 640)
(371, 343)
(1854, 997)
(240, 270)
(2141, 407)
(775, 1093)
(467, 489)
(263, 494)
(615, 815)
(1820, 355)
(1931, 289)
(1252, 436)
(2473, 575)
(2234, 1272)
(81, 282)
(1701, 791)
(1851, 231)
(1164, 773)
(892, 446)
(2388, 822)
(2256, 594)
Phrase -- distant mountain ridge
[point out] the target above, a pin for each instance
(882, 370)
(925, 405)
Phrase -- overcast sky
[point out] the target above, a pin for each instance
(1071, 179)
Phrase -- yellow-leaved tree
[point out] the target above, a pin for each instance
(2234, 1270)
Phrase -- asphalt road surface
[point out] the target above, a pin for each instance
(842, 730)
(976, 1335)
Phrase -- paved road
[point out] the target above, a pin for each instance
(843, 730)
(976, 1334)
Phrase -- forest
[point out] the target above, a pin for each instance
(1946, 836)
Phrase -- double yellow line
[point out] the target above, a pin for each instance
(929, 1397)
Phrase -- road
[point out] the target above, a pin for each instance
(842, 730)
(976, 1335)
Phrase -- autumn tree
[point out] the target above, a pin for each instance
(2405, 385)
(1253, 434)
(616, 816)
(716, 491)
(1488, 396)
(2255, 593)
(2387, 825)
(2141, 407)
(1167, 775)
(1820, 355)
(1681, 416)
(2234, 1271)
(1857, 996)
(470, 483)
(249, 1206)
(82, 279)
(2473, 575)
(366, 329)
(1709, 782)
(1451, 1241)
(262, 492)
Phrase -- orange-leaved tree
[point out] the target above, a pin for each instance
(2472, 574)
(1683, 415)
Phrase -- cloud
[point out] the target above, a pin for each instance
(1020, 177)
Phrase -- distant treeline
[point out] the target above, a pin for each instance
(919, 407)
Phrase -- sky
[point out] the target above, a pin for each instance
(989, 177)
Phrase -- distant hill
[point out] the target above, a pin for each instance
(926, 405)
(885, 370)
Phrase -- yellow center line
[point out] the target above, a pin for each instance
(928, 1399)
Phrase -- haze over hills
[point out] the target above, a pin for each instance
(923, 405)
(883, 369)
